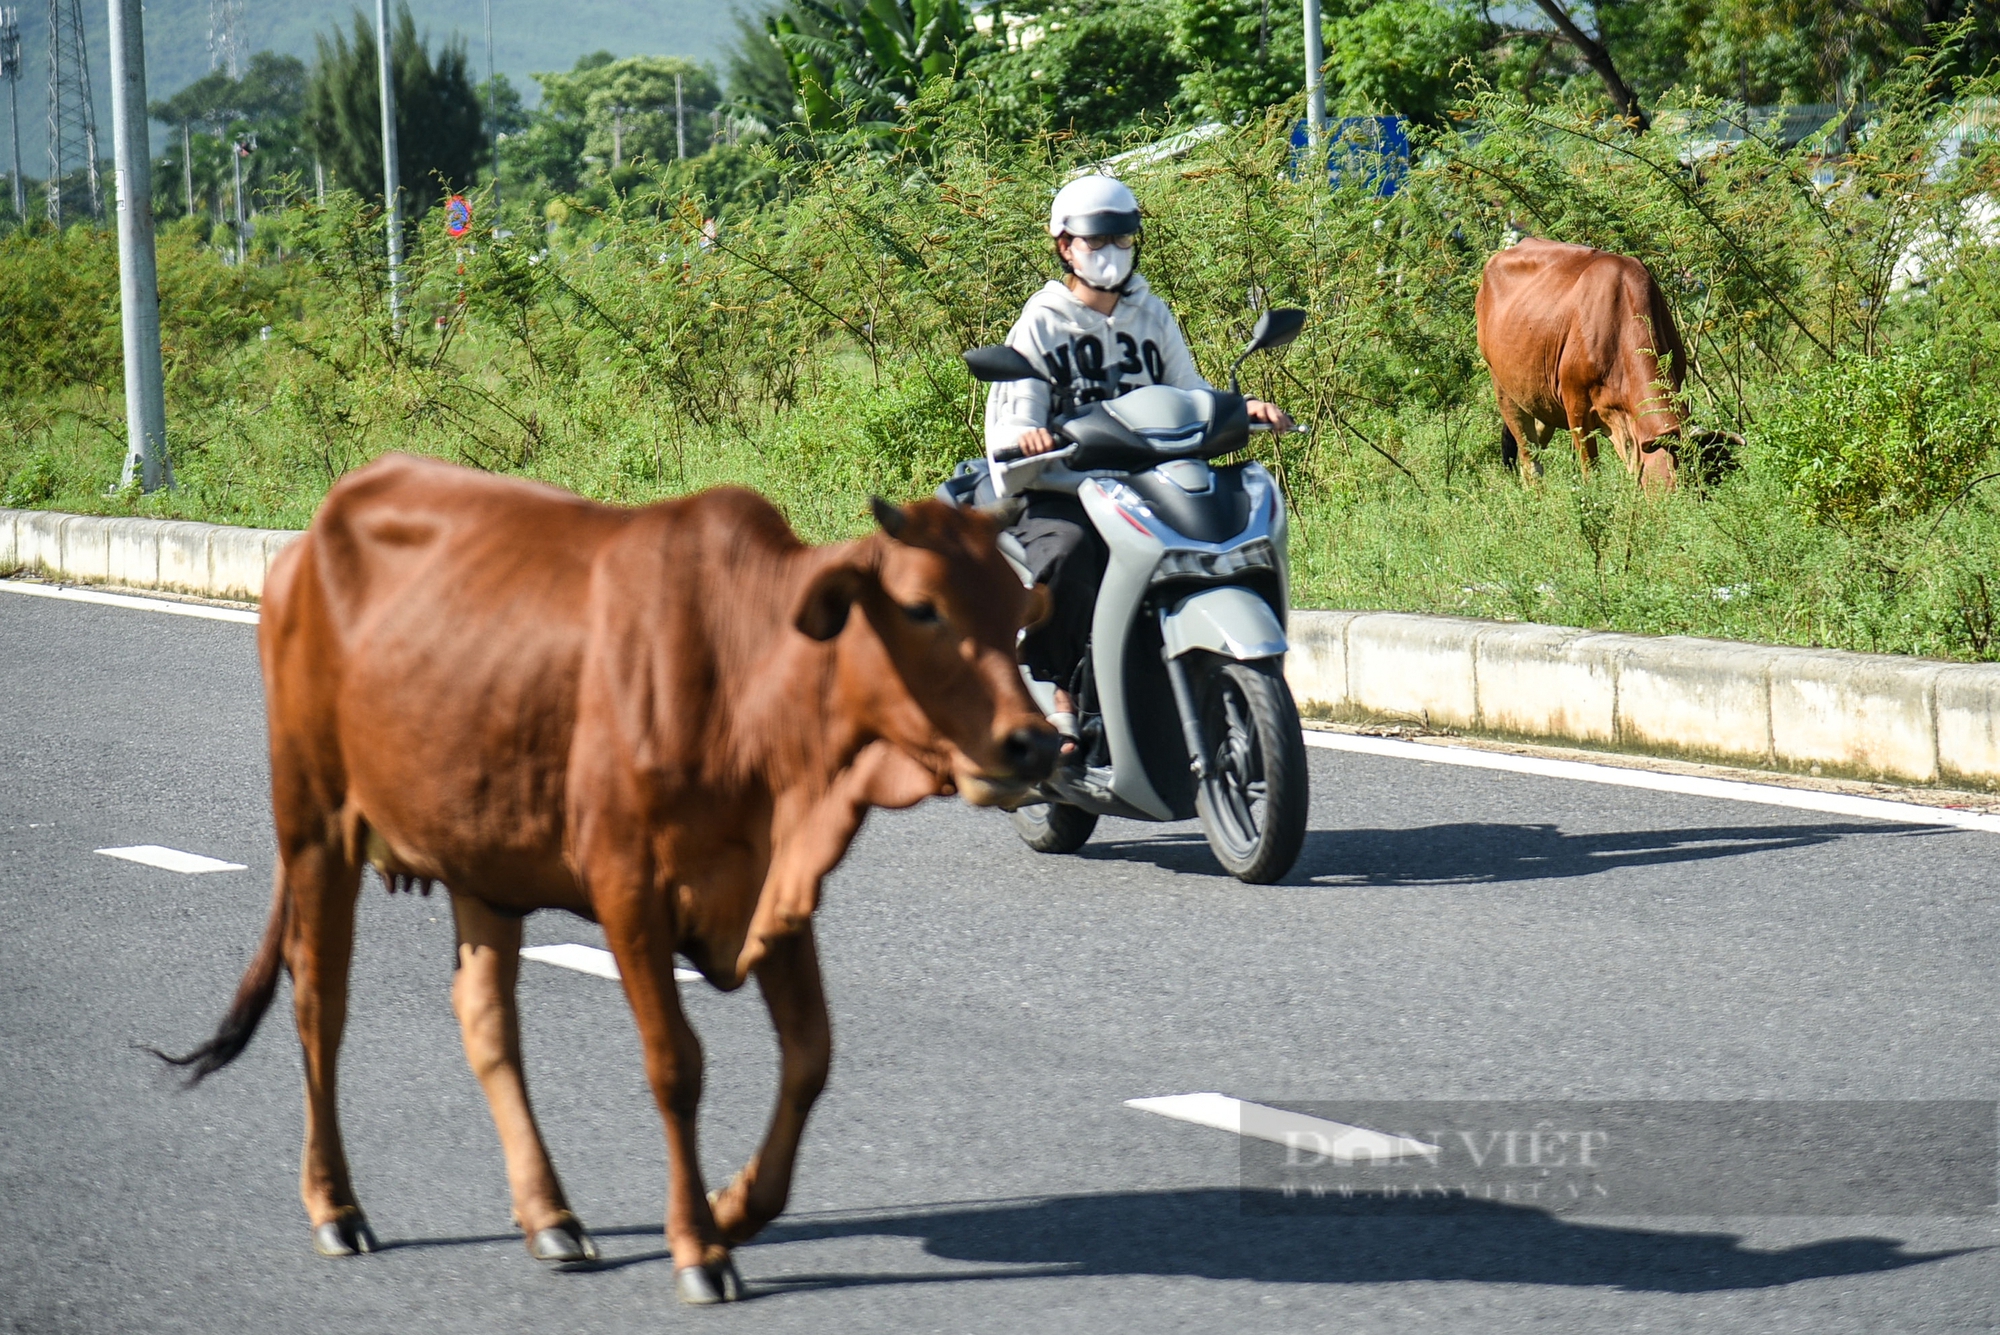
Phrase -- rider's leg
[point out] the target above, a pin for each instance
(1065, 553)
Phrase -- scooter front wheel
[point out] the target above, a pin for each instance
(1253, 800)
(1053, 827)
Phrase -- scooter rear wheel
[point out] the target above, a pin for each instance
(1053, 827)
(1253, 801)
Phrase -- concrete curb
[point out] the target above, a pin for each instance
(211, 560)
(1871, 716)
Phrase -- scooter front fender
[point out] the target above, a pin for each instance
(1230, 621)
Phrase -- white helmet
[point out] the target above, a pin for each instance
(1094, 206)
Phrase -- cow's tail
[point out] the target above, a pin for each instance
(253, 998)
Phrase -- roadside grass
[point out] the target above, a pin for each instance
(808, 350)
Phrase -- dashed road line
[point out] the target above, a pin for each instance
(71, 594)
(589, 959)
(171, 859)
(1336, 1141)
(1689, 785)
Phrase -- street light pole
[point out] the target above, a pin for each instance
(146, 458)
(236, 171)
(493, 123)
(391, 189)
(1315, 85)
(10, 70)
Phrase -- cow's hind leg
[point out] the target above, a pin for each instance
(789, 978)
(319, 944)
(703, 1272)
(482, 994)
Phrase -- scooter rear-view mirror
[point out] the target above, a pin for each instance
(1274, 329)
(999, 363)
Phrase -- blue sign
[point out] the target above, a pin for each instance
(1372, 152)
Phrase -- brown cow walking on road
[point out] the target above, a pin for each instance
(664, 720)
(1575, 338)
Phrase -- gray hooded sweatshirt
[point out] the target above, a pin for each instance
(1090, 357)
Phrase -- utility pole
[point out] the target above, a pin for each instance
(146, 458)
(680, 119)
(392, 193)
(10, 70)
(493, 125)
(239, 150)
(187, 167)
(1315, 86)
(72, 118)
(617, 137)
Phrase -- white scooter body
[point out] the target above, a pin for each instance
(1206, 611)
(1185, 710)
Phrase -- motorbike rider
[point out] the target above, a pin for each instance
(1097, 333)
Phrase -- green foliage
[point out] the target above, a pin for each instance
(806, 346)
(440, 141)
(1242, 55)
(262, 111)
(863, 61)
(1400, 56)
(1868, 441)
(1094, 67)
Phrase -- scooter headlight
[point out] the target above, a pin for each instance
(1257, 554)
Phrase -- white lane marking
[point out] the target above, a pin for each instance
(170, 859)
(1733, 790)
(71, 594)
(1335, 1140)
(589, 959)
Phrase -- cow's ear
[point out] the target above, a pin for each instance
(892, 519)
(823, 607)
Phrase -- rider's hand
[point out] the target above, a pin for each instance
(1036, 440)
(1261, 411)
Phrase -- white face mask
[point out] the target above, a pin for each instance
(1107, 268)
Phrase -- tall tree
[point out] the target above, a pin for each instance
(439, 138)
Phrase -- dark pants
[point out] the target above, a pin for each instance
(1065, 553)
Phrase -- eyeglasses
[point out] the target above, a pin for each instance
(1122, 240)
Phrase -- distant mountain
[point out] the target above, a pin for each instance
(528, 35)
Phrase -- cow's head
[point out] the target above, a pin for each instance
(947, 611)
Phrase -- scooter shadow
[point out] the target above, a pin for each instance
(1479, 852)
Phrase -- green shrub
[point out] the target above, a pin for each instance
(1867, 441)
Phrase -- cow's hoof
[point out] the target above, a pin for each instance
(701, 1285)
(346, 1235)
(563, 1241)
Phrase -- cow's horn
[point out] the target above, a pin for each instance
(892, 520)
(1006, 511)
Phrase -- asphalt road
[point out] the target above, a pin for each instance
(1449, 934)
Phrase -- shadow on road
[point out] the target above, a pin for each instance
(1473, 852)
(1206, 1234)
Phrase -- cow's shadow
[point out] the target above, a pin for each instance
(1480, 852)
(1210, 1234)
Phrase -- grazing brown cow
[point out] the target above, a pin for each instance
(1574, 338)
(664, 720)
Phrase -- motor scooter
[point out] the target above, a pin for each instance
(1183, 708)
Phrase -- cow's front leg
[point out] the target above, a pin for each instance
(482, 994)
(789, 978)
(703, 1272)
